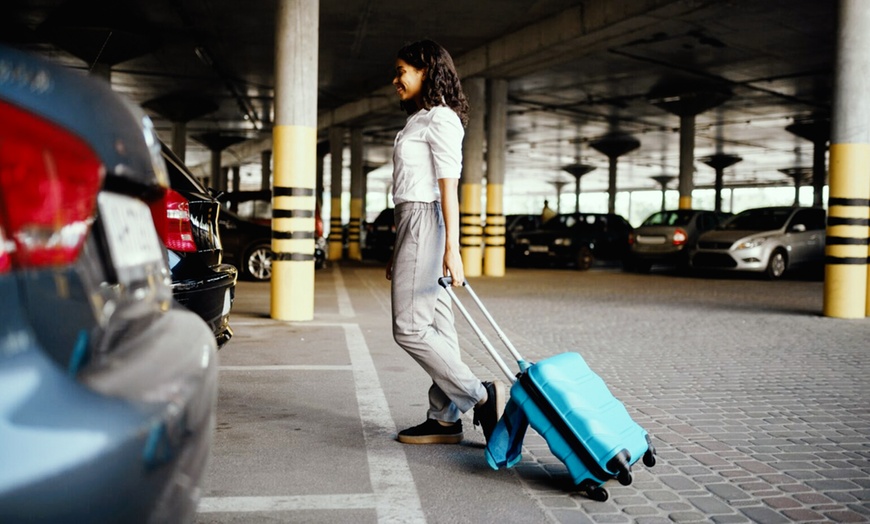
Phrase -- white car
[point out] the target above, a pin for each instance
(769, 240)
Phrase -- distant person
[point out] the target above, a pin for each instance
(547, 213)
(427, 161)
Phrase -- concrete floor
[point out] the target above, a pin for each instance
(758, 406)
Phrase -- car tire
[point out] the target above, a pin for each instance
(776, 264)
(257, 263)
(583, 259)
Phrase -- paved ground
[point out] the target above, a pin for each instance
(759, 407)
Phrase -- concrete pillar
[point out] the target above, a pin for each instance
(266, 170)
(237, 184)
(687, 160)
(577, 171)
(295, 157)
(846, 293)
(817, 131)
(216, 142)
(687, 100)
(614, 145)
(494, 232)
(719, 162)
(798, 175)
(470, 201)
(336, 151)
(179, 139)
(663, 181)
(356, 194)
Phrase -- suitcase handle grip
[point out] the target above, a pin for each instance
(446, 282)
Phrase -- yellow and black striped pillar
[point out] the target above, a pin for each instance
(336, 152)
(470, 203)
(294, 149)
(354, 252)
(846, 292)
(494, 230)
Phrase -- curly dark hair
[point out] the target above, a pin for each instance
(441, 84)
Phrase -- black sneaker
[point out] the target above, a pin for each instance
(432, 432)
(487, 415)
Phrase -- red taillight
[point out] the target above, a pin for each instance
(631, 238)
(680, 237)
(172, 220)
(49, 180)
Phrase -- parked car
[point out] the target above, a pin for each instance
(380, 236)
(575, 239)
(108, 388)
(247, 240)
(667, 237)
(770, 240)
(188, 225)
(515, 225)
(248, 246)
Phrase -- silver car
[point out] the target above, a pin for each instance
(769, 240)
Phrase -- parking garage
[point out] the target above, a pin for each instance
(757, 399)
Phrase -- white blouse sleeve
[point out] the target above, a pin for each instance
(445, 140)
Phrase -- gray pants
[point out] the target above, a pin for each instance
(422, 314)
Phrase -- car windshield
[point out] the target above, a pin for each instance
(669, 218)
(766, 219)
(562, 222)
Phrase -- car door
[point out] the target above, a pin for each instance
(806, 235)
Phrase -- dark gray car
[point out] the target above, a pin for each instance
(667, 237)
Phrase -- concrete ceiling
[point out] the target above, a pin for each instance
(577, 71)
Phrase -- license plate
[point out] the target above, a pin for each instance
(650, 240)
(539, 249)
(129, 231)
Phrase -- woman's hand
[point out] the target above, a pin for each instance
(453, 267)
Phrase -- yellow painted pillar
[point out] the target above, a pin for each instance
(294, 149)
(357, 174)
(494, 232)
(846, 293)
(336, 151)
(471, 230)
(470, 204)
(846, 269)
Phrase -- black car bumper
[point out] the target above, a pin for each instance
(210, 295)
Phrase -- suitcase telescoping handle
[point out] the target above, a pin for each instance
(447, 283)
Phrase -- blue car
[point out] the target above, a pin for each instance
(107, 386)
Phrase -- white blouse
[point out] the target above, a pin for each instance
(427, 149)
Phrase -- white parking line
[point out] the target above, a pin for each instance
(294, 503)
(286, 368)
(394, 496)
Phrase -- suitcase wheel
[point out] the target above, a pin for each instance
(649, 458)
(594, 491)
(624, 477)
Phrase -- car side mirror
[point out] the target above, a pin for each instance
(799, 228)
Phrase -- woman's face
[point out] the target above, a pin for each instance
(409, 82)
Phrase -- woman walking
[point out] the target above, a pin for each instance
(427, 161)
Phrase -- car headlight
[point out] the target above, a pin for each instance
(562, 242)
(749, 244)
(523, 241)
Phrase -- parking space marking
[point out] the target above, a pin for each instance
(394, 494)
(286, 368)
(292, 503)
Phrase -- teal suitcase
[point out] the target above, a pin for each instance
(571, 407)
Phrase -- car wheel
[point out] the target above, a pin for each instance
(583, 259)
(258, 263)
(776, 265)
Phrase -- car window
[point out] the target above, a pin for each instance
(812, 219)
(179, 178)
(669, 218)
(762, 219)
